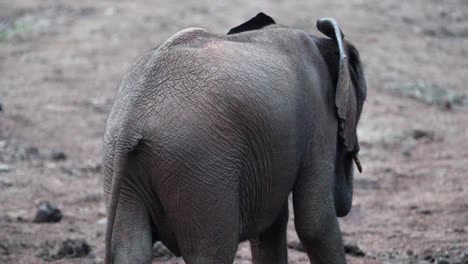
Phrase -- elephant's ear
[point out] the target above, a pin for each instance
(259, 21)
(351, 86)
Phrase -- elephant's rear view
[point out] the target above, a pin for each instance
(209, 134)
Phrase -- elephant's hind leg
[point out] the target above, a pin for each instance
(132, 234)
(270, 246)
(314, 215)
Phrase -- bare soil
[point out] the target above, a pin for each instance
(61, 63)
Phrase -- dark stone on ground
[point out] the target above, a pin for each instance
(429, 257)
(351, 248)
(419, 134)
(47, 213)
(58, 155)
(425, 212)
(70, 248)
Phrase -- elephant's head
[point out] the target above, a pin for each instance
(345, 68)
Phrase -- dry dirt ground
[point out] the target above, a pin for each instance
(61, 63)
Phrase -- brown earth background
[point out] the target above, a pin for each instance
(61, 63)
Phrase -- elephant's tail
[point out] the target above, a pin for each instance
(121, 150)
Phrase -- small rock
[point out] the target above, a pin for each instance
(459, 230)
(409, 252)
(420, 133)
(429, 257)
(353, 249)
(161, 252)
(4, 168)
(47, 213)
(58, 155)
(425, 212)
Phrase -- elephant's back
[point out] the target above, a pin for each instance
(218, 111)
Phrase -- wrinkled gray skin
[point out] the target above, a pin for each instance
(209, 134)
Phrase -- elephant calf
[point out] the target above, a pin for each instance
(209, 134)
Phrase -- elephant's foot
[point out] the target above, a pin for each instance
(323, 247)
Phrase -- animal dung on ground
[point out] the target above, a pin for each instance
(47, 213)
(70, 248)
